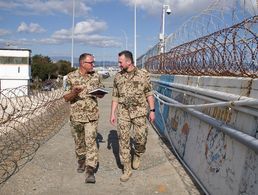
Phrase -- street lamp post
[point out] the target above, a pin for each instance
(125, 35)
(165, 8)
(135, 31)
(72, 64)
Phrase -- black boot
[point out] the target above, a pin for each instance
(90, 178)
(81, 166)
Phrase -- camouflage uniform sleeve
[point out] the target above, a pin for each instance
(68, 86)
(148, 86)
(115, 91)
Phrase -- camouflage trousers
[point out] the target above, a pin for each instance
(85, 135)
(139, 135)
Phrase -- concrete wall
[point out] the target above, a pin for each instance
(222, 164)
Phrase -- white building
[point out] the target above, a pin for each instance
(15, 71)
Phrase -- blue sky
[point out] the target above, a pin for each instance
(102, 27)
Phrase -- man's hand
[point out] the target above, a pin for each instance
(152, 117)
(77, 89)
(74, 92)
(113, 111)
(113, 119)
(151, 102)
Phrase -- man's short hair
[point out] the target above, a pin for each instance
(127, 55)
(84, 55)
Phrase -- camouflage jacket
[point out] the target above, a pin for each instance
(130, 90)
(84, 107)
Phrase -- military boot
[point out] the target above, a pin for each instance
(90, 178)
(127, 173)
(81, 166)
(136, 161)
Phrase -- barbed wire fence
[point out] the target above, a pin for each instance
(27, 121)
(220, 41)
(223, 53)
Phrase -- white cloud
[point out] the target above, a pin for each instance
(85, 27)
(97, 40)
(62, 34)
(7, 4)
(83, 6)
(26, 42)
(14, 43)
(4, 32)
(61, 6)
(45, 6)
(177, 6)
(84, 39)
(151, 6)
(30, 28)
(89, 26)
(84, 34)
(189, 6)
(48, 41)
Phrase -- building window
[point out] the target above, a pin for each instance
(19, 69)
(14, 60)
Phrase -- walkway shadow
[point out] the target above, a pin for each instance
(113, 143)
(99, 139)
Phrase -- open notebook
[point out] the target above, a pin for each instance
(98, 91)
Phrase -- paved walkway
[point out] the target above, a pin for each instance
(52, 171)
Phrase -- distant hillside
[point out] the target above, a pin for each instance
(76, 63)
(105, 63)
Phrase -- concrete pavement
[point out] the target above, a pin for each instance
(52, 171)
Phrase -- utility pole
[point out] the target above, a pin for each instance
(125, 36)
(135, 32)
(72, 36)
(165, 8)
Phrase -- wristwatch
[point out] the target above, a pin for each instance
(152, 110)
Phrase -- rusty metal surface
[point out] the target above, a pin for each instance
(27, 121)
(229, 52)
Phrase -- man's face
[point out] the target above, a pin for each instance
(87, 63)
(123, 62)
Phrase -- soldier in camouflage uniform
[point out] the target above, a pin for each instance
(84, 114)
(132, 91)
